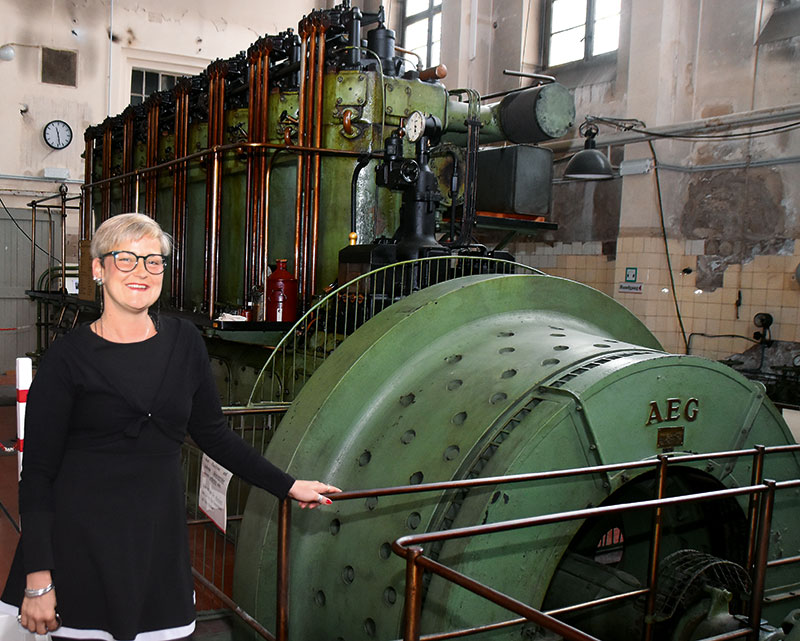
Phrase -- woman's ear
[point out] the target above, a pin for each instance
(97, 269)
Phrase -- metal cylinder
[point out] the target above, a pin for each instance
(537, 114)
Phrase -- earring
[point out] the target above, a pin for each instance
(98, 281)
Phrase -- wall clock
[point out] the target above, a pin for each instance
(57, 134)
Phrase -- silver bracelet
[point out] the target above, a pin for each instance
(38, 592)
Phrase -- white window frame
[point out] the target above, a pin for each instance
(427, 15)
(588, 40)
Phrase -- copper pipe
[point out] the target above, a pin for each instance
(267, 180)
(655, 548)
(233, 607)
(211, 293)
(762, 554)
(136, 188)
(151, 180)
(106, 193)
(127, 157)
(311, 85)
(413, 600)
(263, 130)
(179, 193)
(784, 561)
(240, 147)
(184, 173)
(753, 506)
(86, 209)
(283, 570)
(298, 270)
(218, 179)
(254, 77)
(318, 82)
(259, 248)
(210, 198)
(400, 544)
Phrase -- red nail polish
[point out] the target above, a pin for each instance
(328, 501)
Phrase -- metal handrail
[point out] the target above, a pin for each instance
(302, 326)
(415, 560)
(234, 146)
(409, 546)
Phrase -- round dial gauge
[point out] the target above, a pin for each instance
(57, 134)
(415, 126)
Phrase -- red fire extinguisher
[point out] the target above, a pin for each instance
(281, 295)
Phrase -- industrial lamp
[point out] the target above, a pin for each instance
(589, 163)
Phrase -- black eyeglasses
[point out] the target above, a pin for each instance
(127, 261)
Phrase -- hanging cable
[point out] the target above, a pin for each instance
(637, 126)
(24, 233)
(666, 246)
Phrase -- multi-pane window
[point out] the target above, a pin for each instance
(422, 29)
(582, 29)
(145, 81)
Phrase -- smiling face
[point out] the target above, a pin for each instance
(134, 291)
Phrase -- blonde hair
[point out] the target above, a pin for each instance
(128, 227)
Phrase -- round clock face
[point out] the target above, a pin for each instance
(415, 126)
(57, 134)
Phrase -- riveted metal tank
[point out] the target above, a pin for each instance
(491, 375)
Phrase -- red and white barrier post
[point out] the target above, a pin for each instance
(24, 378)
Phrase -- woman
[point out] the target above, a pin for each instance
(101, 497)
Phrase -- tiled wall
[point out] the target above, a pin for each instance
(577, 261)
(767, 284)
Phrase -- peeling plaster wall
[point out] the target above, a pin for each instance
(730, 210)
(179, 36)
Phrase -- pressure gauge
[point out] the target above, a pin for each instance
(57, 134)
(415, 126)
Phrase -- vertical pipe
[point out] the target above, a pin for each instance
(298, 269)
(86, 204)
(106, 173)
(282, 605)
(181, 171)
(33, 245)
(318, 86)
(210, 174)
(63, 191)
(218, 182)
(753, 507)
(253, 78)
(261, 258)
(127, 159)
(413, 604)
(307, 139)
(136, 187)
(265, 242)
(213, 239)
(762, 553)
(655, 548)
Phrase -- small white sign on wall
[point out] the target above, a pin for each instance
(214, 480)
(630, 288)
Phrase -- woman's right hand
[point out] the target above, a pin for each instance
(38, 614)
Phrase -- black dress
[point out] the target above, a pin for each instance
(102, 493)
